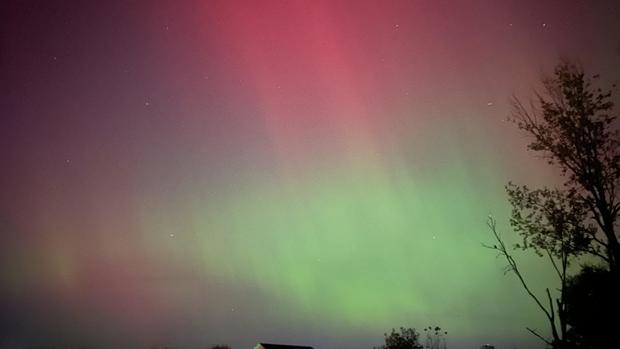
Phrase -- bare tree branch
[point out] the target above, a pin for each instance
(539, 336)
(513, 266)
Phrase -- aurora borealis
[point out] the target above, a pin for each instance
(187, 173)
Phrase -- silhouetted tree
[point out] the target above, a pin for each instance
(554, 308)
(407, 338)
(590, 295)
(220, 346)
(571, 125)
(435, 338)
(554, 224)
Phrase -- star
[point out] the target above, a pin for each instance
(171, 235)
(147, 103)
(490, 104)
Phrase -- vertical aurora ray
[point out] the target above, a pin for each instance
(349, 226)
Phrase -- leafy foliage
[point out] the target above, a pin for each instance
(435, 337)
(407, 338)
(551, 221)
(574, 128)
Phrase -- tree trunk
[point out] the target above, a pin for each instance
(613, 247)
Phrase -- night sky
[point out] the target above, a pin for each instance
(316, 172)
